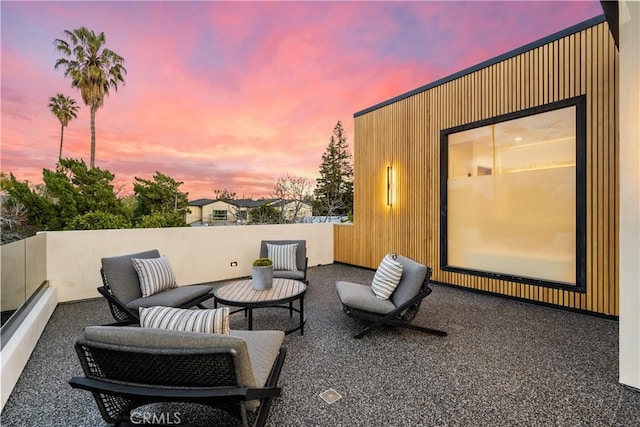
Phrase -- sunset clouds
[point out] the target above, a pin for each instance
(236, 94)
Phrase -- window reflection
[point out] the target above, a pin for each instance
(511, 195)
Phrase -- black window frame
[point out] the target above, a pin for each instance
(581, 194)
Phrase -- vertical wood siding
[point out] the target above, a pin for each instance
(406, 136)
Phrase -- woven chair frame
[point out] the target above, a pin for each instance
(192, 369)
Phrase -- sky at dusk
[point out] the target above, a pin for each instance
(237, 94)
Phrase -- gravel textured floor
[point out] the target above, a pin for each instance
(504, 363)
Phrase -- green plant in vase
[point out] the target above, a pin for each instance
(262, 274)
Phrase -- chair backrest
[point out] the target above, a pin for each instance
(135, 355)
(121, 276)
(413, 275)
(301, 253)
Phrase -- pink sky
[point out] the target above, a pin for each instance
(235, 95)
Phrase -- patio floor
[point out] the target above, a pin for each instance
(504, 363)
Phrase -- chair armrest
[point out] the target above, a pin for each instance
(424, 292)
(104, 291)
(157, 394)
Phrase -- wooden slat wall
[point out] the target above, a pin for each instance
(406, 136)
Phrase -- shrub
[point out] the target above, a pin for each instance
(262, 262)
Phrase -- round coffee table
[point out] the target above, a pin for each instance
(242, 294)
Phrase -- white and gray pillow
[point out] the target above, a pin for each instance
(211, 321)
(155, 275)
(387, 277)
(283, 256)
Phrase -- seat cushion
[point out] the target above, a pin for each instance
(263, 348)
(285, 274)
(176, 297)
(210, 321)
(155, 275)
(361, 297)
(122, 277)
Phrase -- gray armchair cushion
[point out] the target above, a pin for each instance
(263, 348)
(122, 277)
(413, 274)
(361, 297)
(175, 297)
(301, 253)
(285, 274)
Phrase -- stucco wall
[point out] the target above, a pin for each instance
(197, 254)
(629, 193)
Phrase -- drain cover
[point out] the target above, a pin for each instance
(330, 396)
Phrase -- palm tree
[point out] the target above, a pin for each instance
(93, 69)
(64, 108)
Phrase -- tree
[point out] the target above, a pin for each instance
(13, 216)
(64, 108)
(12, 223)
(294, 191)
(93, 69)
(334, 189)
(71, 190)
(265, 214)
(40, 211)
(98, 221)
(224, 194)
(160, 196)
(78, 190)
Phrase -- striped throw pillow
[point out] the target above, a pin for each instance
(387, 277)
(283, 256)
(155, 275)
(212, 321)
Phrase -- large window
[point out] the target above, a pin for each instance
(513, 188)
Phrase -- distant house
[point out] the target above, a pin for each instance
(195, 213)
(219, 212)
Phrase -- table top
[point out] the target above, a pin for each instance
(242, 292)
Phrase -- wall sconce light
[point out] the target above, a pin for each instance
(389, 186)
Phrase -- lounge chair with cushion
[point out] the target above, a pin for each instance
(289, 261)
(126, 367)
(394, 297)
(122, 288)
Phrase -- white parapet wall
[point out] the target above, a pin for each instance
(197, 254)
(16, 352)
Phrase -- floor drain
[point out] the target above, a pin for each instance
(330, 396)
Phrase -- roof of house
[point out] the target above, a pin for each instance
(201, 202)
(248, 203)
